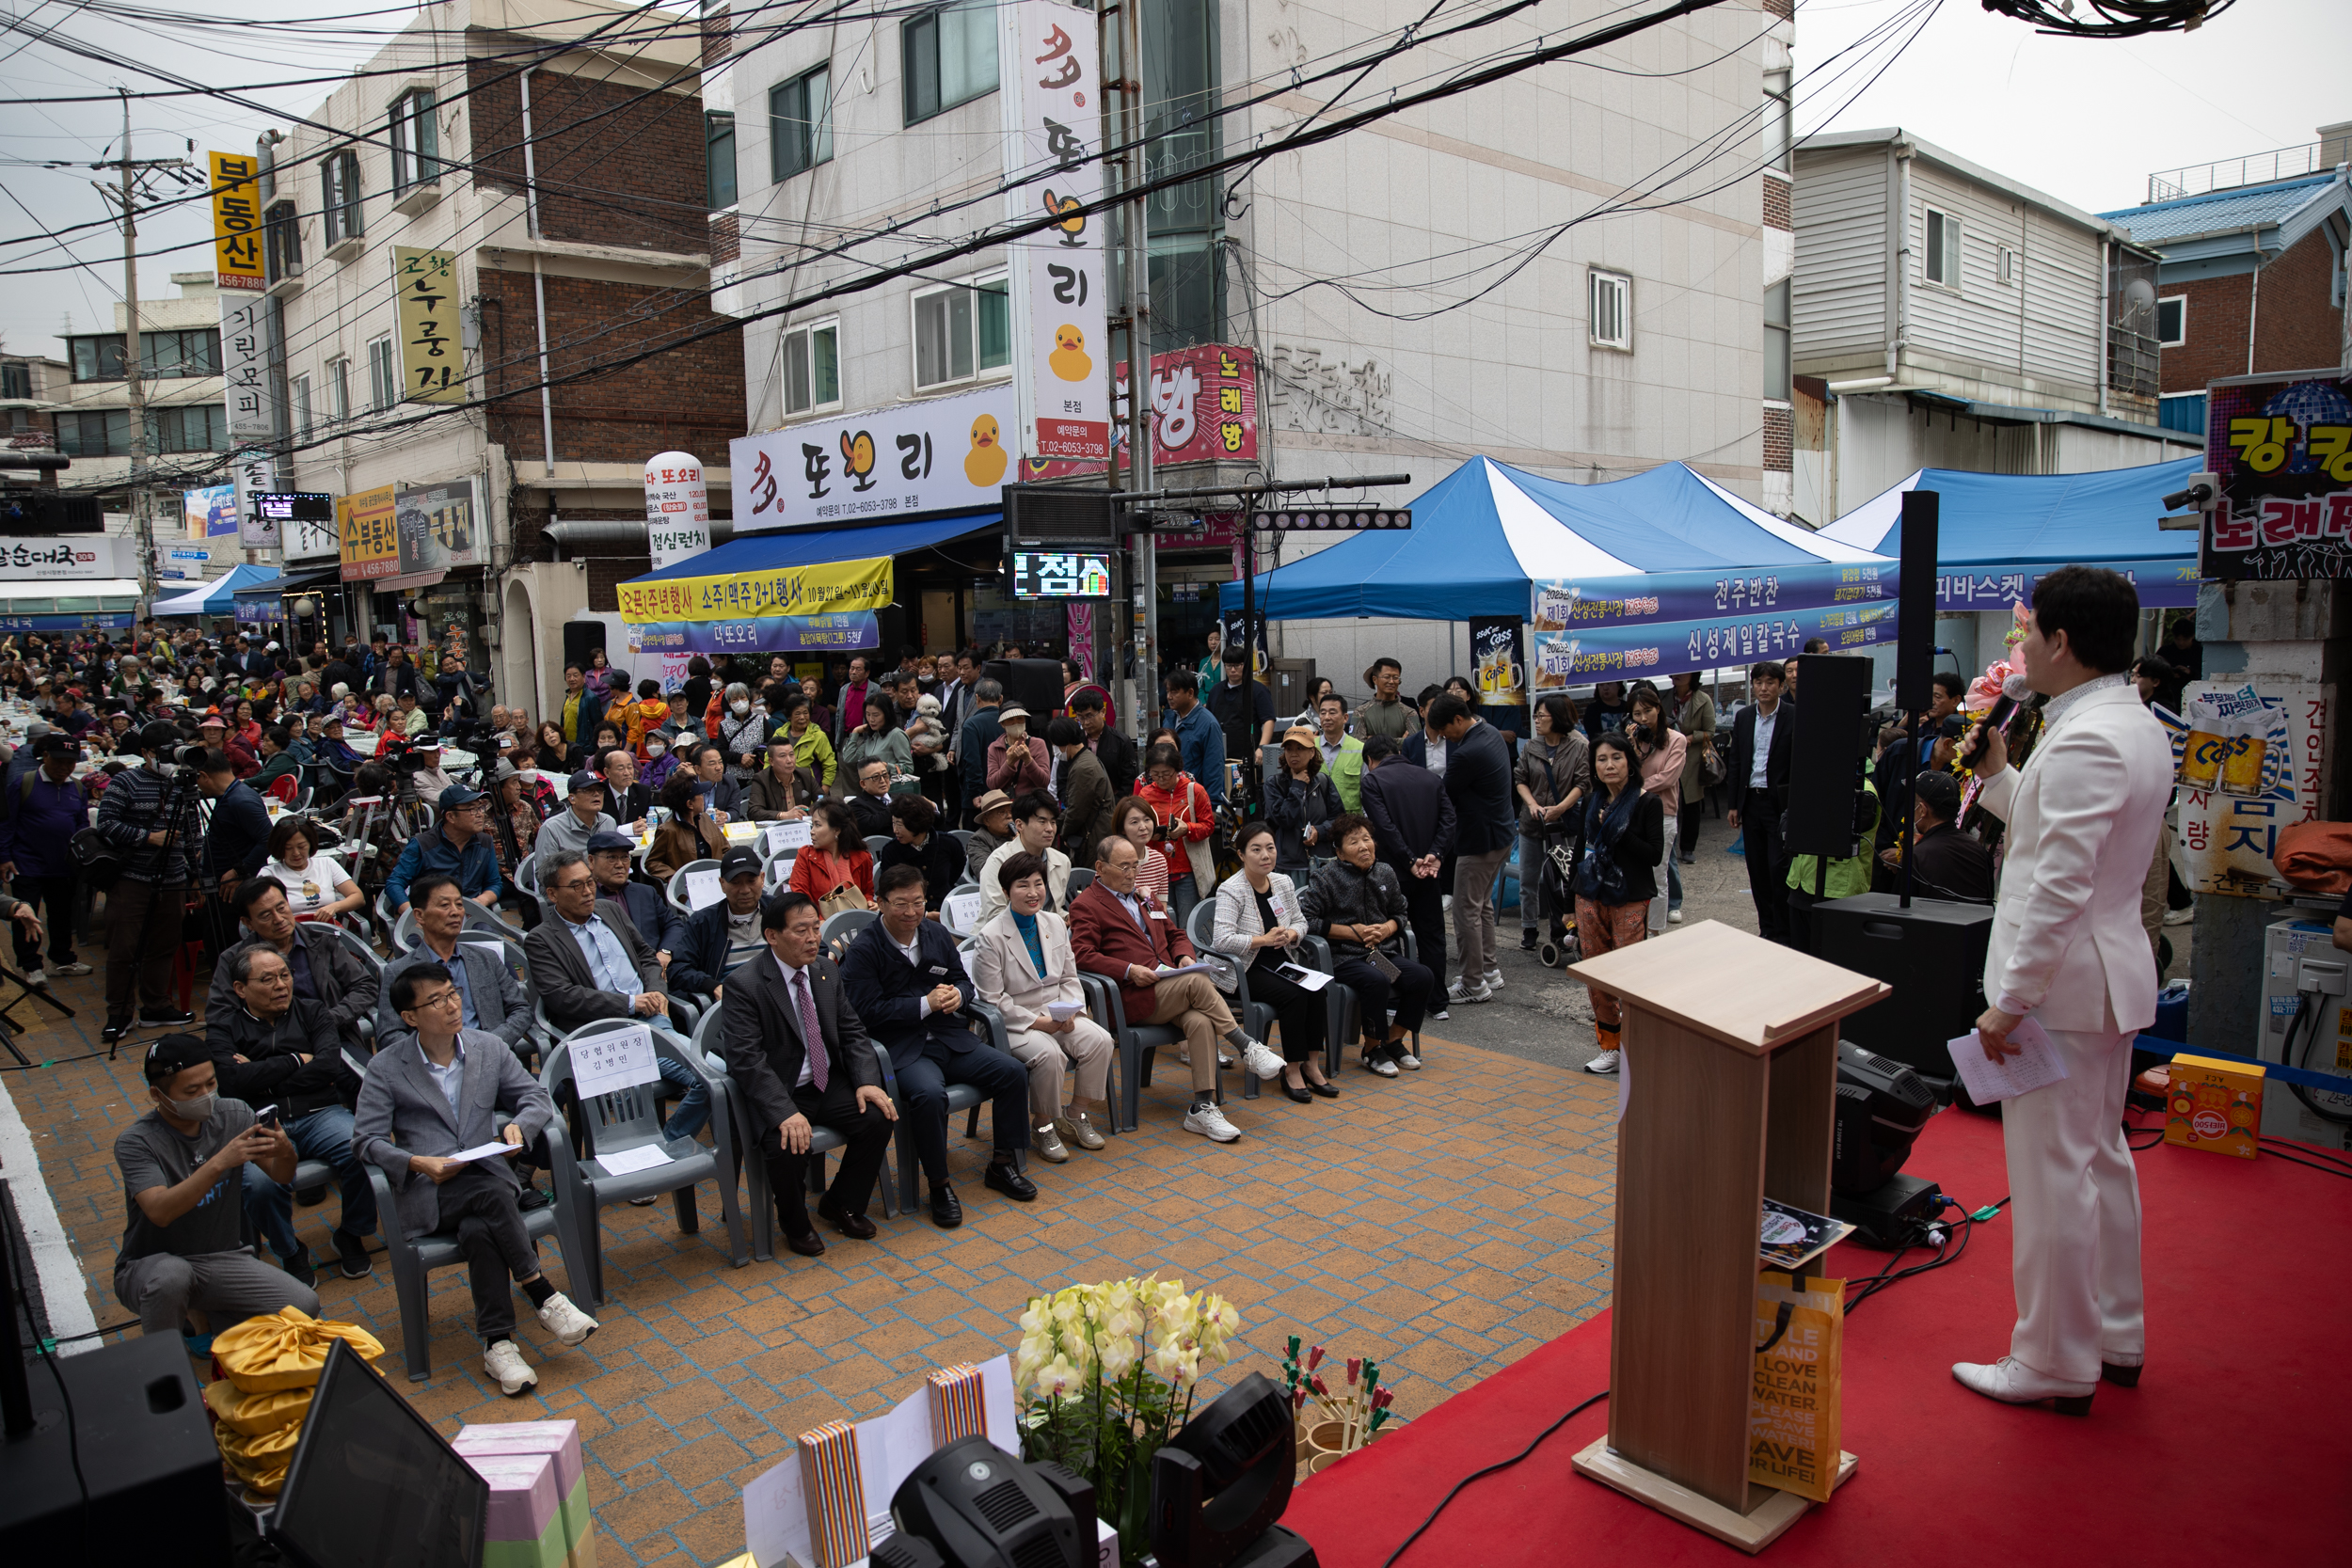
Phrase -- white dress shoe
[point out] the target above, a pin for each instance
(2012, 1382)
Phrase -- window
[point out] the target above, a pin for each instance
(812, 367)
(16, 381)
(106, 434)
(2007, 264)
(167, 355)
(947, 56)
(281, 236)
(1612, 310)
(197, 427)
(1941, 264)
(383, 381)
(338, 389)
(416, 143)
(961, 331)
(719, 159)
(340, 175)
(1779, 121)
(800, 123)
(98, 358)
(1776, 340)
(302, 405)
(2173, 320)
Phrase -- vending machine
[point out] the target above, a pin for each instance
(2306, 1021)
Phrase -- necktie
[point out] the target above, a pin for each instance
(812, 1037)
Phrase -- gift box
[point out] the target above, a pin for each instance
(834, 1492)
(560, 1442)
(956, 1410)
(2215, 1105)
(524, 1525)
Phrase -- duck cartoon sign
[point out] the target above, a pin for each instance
(937, 455)
(1052, 105)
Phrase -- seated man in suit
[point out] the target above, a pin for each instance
(661, 922)
(909, 986)
(1118, 930)
(427, 1098)
(784, 1001)
(488, 993)
(721, 936)
(871, 803)
(324, 970)
(589, 962)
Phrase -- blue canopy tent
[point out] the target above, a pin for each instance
(216, 598)
(1996, 533)
(1663, 571)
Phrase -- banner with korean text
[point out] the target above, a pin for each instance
(369, 535)
(942, 454)
(237, 222)
(834, 588)
(1053, 107)
(245, 325)
(432, 365)
(2281, 447)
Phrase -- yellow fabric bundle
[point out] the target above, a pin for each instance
(270, 1448)
(251, 1414)
(266, 1481)
(286, 1348)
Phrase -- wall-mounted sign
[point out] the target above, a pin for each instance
(245, 367)
(210, 512)
(237, 222)
(677, 507)
(432, 363)
(946, 455)
(1053, 107)
(183, 562)
(80, 556)
(1060, 575)
(368, 541)
(257, 476)
(439, 527)
(1205, 409)
(2282, 446)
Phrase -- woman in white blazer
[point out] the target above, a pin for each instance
(1260, 923)
(2067, 949)
(1023, 967)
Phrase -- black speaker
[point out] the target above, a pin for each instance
(1034, 683)
(1914, 629)
(1825, 755)
(1932, 953)
(583, 638)
(147, 1454)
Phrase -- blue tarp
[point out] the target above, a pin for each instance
(818, 547)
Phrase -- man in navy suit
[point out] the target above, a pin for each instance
(1763, 739)
(908, 984)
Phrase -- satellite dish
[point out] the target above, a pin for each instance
(2139, 299)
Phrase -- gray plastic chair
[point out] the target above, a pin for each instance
(630, 1119)
(1138, 1045)
(415, 1258)
(477, 919)
(1081, 878)
(1256, 1017)
(839, 930)
(678, 882)
(1346, 1006)
(960, 1097)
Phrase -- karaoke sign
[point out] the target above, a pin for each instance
(2283, 449)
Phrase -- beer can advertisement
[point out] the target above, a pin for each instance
(1501, 669)
(2247, 759)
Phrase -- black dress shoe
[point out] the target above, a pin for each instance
(947, 1213)
(856, 1227)
(2123, 1377)
(1007, 1179)
(1296, 1092)
(1327, 1091)
(809, 1245)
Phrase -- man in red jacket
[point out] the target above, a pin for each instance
(1118, 930)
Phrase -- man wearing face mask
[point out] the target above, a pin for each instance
(183, 1164)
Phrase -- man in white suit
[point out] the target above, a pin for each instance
(2067, 948)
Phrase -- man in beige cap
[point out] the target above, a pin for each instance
(993, 815)
(1016, 759)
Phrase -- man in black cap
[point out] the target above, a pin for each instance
(656, 918)
(720, 936)
(1945, 863)
(457, 845)
(150, 819)
(183, 1168)
(581, 819)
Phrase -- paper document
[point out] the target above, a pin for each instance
(961, 910)
(1303, 977)
(623, 1161)
(482, 1151)
(1165, 973)
(2034, 1067)
(702, 888)
(1063, 1011)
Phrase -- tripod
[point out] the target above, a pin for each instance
(176, 808)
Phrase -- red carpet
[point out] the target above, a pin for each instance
(2231, 1449)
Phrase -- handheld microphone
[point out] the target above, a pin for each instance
(2013, 692)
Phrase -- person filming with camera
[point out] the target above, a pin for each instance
(147, 817)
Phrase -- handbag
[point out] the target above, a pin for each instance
(1713, 768)
(845, 895)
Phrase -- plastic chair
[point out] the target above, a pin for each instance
(842, 929)
(960, 1097)
(962, 836)
(414, 1257)
(628, 1119)
(1081, 878)
(284, 789)
(1346, 1006)
(477, 919)
(1137, 1045)
(676, 892)
(876, 842)
(1256, 1017)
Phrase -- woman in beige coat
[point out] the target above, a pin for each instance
(1695, 716)
(1024, 968)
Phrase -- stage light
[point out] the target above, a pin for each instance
(1220, 1484)
(1881, 1105)
(971, 1505)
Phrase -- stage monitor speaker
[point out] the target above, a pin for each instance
(1034, 683)
(1932, 953)
(1915, 631)
(1825, 757)
(137, 1423)
(583, 638)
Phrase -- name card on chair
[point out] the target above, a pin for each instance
(787, 838)
(612, 1059)
(702, 888)
(961, 910)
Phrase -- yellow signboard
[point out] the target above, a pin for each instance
(835, 586)
(432, 364)
(237, 222)
(368, 539)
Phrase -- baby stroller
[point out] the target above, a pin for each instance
(1556, 875)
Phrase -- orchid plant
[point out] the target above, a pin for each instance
(1106, 1375)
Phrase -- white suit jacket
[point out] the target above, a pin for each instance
(1008, 981)
(2083, 814)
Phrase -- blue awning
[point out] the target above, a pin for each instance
(785, 547)
(278, 587)
(216, 598)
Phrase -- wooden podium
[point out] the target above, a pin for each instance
(1731, 1062)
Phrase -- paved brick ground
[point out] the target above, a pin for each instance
(1447, 1223)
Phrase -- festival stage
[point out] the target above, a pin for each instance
(2230, 1450)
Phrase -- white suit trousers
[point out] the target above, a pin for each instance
(2075, 1203)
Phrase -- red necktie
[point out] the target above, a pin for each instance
(812, 1037)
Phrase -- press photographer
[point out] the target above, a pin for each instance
(147, 819)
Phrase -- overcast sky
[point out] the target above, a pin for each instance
(2085, 121)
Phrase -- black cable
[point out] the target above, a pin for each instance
(2309, 1165)
(1498, 1464)
(72, 1438)
(57, 1061)
(2306, 1148)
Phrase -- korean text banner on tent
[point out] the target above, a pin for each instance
(2162, 584)
(1663, 598)
(835, 588)
(766, 634)
(1611, 652)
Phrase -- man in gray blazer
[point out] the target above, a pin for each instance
(801, 1057)
(431, 1096)
(492, 998)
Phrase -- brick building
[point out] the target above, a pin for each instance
(2252, 272)
(554, 152)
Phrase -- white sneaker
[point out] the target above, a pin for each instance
(1410, 1062)
(1492, 979)
(1208, 1119)
(1605, 1062)
(1261, 1060)
(69, 970)
(35, 977)
(1674, 917)
(505, 1362)
(1046, 1140)
(1438, 1012)
(1466, 990)
(568, 1323)
(2171, 917)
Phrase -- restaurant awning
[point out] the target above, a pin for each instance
(69, 604)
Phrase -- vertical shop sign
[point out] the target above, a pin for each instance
(244, 369)
(677, 507)
(237, 222)
(1052, 105)
(432, 365)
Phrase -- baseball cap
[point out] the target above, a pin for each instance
(173, 1055)
(599, 843)
(738, 863)
(1940, 792)
(584, 780)
(459, 795)
(1302, 734)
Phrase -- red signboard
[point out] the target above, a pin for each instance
(1205, 409)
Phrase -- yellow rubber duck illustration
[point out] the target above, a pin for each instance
(1073, 226)
(857, 458)
(1068, 359)
(984, 465)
